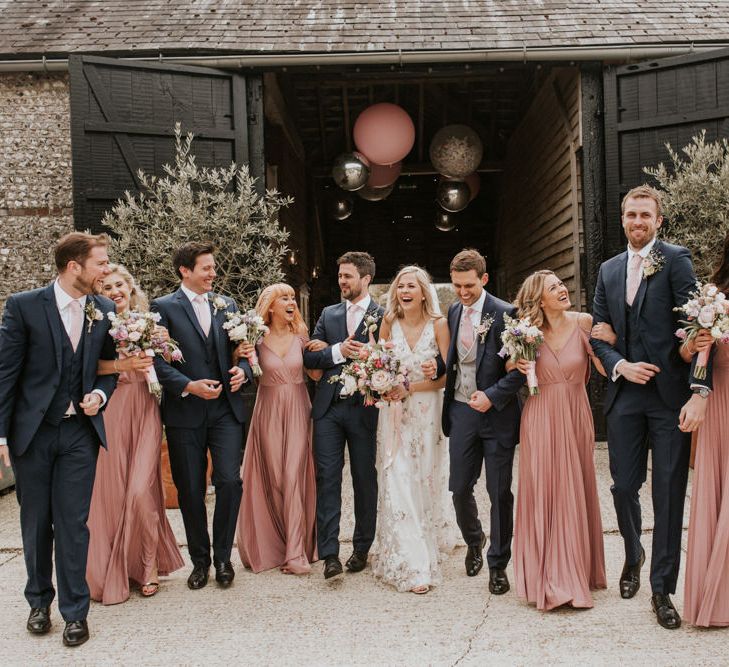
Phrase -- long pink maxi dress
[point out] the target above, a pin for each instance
(558, 543)
(277, 519)
(706, 596)
(129, 532)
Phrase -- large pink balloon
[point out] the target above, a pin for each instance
(474, 184)
(383, 175)
(384, 133)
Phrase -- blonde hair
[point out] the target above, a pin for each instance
(394, 309)
(644, 192)
(529, 297)
(266, 299)
(137, 297)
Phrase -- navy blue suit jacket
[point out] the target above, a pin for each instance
(178, 316)
(30, 362)
(332, 328)
(491, 376)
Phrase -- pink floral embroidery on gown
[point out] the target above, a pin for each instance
(277, 519)
(558, 543)
(706, 595)
(129, 531)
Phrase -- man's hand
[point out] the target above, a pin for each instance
(604, 332)
(4, 457)
(692, 414)
(91, 404)
(480, 402)
(640, 372)
(205, 389)
(350, 348)
(237, 379)
(315, 345)
(429, 368)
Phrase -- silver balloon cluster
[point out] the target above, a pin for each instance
(340, 207)
(351, 171)
(453, 196)
(444, 221)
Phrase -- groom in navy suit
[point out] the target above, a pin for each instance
(648, 401)
(51, 426)
(481, 413)
(203, 410)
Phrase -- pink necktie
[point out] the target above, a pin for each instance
(352, 318)
(633, 281)
(203, 313)
(467, 331)
(76, 323)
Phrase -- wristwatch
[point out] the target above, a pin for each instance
(701, 391)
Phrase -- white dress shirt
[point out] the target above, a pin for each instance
(363, 305)
(476, 312)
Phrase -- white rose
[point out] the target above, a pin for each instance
(711, 290)
(350, 385)
(706, 317)
(716, 332)
(380, 381)
(134, 336)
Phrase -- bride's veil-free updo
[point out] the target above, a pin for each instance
(431, 307)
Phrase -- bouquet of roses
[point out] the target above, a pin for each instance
(708, 308)
(520, 340)
(135, 332)
(247, 327)
(374, 374)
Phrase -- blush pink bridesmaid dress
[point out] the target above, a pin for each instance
(277, 519)
(130, 536)
(558, 543)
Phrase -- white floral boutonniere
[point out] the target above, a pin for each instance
(482, 330)
(93, 314)
(219, 304)
(653, 263)
(370, 323)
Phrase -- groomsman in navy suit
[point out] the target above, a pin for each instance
(648, 392)
(339, 419)
(51, 340)
(481, 414)
(203, 410)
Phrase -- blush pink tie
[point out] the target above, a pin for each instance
(352, 318)
(467, 333)
(634, 277)
(202, 311)
(77, 319)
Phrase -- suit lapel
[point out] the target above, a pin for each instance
(640, 296)
(619, 287)
(454, 327)
(54, 321)
(187, 307)
(341, 315)
(86, 334)
(481, 347)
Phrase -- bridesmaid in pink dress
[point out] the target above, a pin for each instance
(277, 519)
(558, 543)
(706, 595)
(130, 537)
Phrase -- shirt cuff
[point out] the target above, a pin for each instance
(3, 441)
(696, 385)
(103, 396)
(615, 375)
(337, 356)
(184, 394)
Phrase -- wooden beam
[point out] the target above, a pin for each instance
(322, 126)
(347, 120)
(154, 130)
(277, 113)
(419, 169)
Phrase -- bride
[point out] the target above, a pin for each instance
(415, 522)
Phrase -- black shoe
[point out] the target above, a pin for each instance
(357, 561)
(224, 574)
(474, 558)
(39, 621)
(498, 581)
(198, 577)
(630, 578)
(332, 567)
(75, 633)
(665, 612)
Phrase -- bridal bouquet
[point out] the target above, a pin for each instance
(247, 327)
(520, 340)
(708, 308)
(377, 371)
(135, 332)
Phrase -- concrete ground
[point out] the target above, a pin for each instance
(272, 618)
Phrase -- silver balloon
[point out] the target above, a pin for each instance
(444, 221)
(456, 151)
(340, 208)
(376, 194)
(351, 171)
(453, 196)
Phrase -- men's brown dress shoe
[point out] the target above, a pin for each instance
(198, 577)
(357, 561)
(474, 558)
(75, 633)
(332, 567)
(39, 621)
(630, 578)
(224, 574)
(665, 612)
(498, 581)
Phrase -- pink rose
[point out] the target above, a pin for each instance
(681, 334)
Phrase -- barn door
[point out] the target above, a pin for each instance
(653, 103)
(123, 116)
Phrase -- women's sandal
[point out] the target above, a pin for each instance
(150, 589)
(420, 590)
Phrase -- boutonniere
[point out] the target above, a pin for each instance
(370, 323)
(219, 304)
(482, 330)
(653, 263)
(93, 314)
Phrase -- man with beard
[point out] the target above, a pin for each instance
(51, 339)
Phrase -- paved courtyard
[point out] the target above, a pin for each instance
(275, 619)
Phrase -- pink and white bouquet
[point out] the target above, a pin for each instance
(520, 340)
(708, 308)
(377, 372)
(247, 327)
(135, 332)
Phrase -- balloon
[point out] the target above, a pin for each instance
(456, 151)
(473, 181)
(382, 175)
(351, 171)
(340, 208)
(444, 221)
(384, 133)
(453, 196)
(375, 194)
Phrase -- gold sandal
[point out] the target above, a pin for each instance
(149, 589)
(420, 590)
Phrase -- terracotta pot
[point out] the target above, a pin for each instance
(168, 485)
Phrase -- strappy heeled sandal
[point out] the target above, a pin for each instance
(420, 590)
(149, 589)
